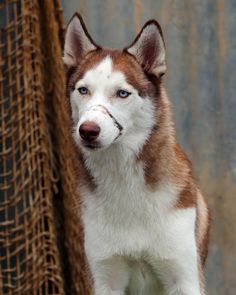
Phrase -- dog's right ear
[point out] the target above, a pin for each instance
(78, 42)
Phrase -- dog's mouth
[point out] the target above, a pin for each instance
(91, 145)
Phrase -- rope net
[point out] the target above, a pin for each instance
(40, 234)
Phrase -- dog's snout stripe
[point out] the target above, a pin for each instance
(116, 123)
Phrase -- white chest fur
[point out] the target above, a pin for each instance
(124, 218)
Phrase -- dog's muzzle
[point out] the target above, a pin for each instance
(116, 123)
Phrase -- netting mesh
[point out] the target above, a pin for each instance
(40, 234)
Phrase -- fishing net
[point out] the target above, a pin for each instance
(40, 233)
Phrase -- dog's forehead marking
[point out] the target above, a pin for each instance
(104, 67)
(103, 74)
(100, 72)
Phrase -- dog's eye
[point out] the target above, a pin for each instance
(123, 93)
(83, 90)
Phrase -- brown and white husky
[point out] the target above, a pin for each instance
(145, 221)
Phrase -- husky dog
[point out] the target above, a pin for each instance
(145, 220)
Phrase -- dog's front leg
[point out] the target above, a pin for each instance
(111, 276)
(180, 276)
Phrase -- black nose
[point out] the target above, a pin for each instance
(89, 131)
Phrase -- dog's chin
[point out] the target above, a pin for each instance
(91, 146)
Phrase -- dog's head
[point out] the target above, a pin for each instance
(112, 92)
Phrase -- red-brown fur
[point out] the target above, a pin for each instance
(163, 159)
(162, 156)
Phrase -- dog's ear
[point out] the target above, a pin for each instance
(78, 42)
(149, 49)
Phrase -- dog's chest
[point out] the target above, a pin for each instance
(122, 215)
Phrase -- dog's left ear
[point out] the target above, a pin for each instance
(78, 42)
(149, 49)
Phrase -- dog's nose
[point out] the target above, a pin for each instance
(89, 131)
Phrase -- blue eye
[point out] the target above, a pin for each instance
(123, 93)
(83, 90)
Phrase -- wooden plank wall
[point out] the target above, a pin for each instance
(201, 55)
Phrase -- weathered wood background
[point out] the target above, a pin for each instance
(201, 81)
